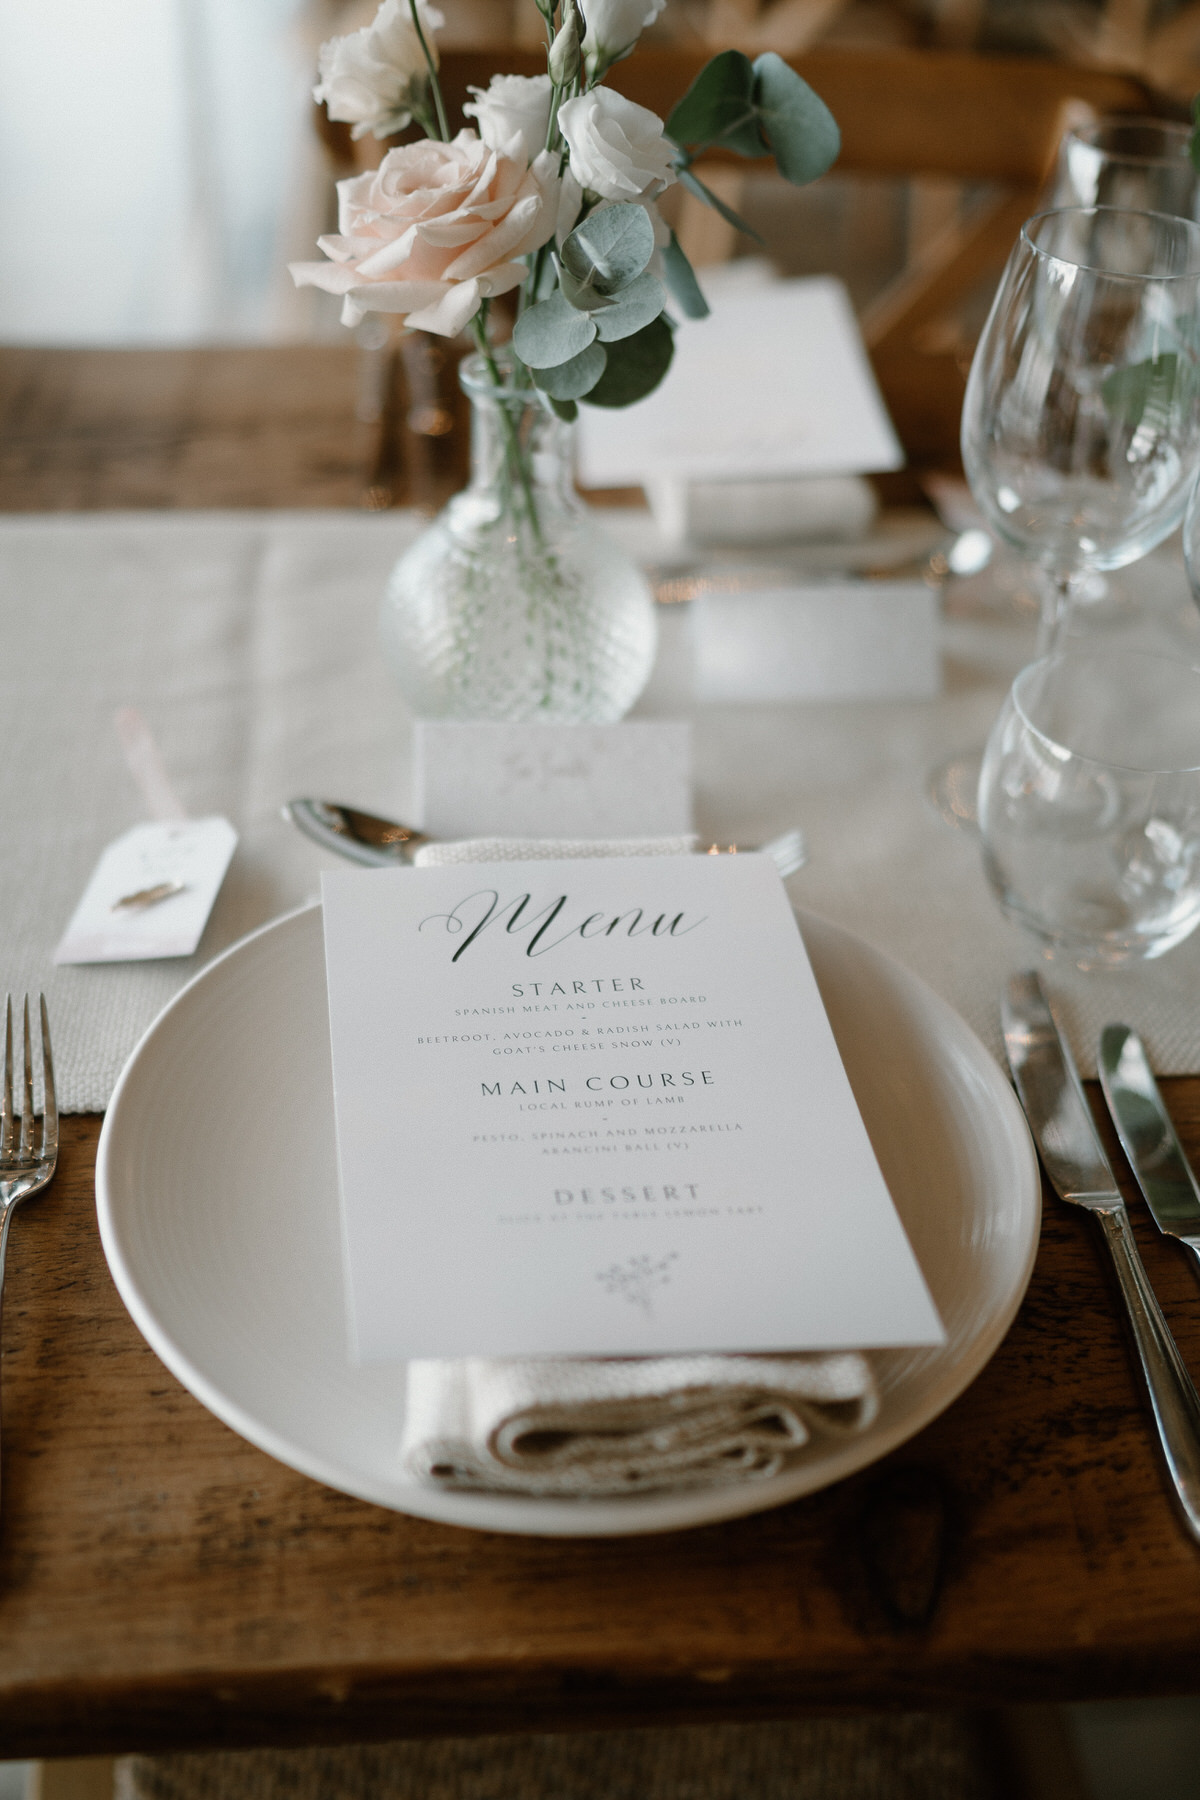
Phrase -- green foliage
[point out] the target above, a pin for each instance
(635, 366)
(1194, 140)
(608, 249)
(1147, 392)
(552, 332)
(631, 309)
(681, 280)
(719, 108)
(797, 124)
(573, 379)
(756, 108)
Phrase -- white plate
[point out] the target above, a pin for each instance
(217, 1192)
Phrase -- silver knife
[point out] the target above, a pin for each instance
(1050, 1092)
(1147, 1136)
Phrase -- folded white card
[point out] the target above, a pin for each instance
(775, 382)
(596, 1108)
(834, 640)
(151, 892)
(629, 780)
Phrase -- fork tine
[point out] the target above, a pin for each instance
(6, 1105)
(49, 1096)
(26, 1151)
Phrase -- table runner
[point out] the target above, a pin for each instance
(248, 641)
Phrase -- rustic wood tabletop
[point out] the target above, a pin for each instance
(165, 1584)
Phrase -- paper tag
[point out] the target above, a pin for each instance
(631, 780)
(853, 640)
(193, 853)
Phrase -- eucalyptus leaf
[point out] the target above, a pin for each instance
(681, 279)
(635, 367)
(566, 410)
(632, 308)
(1145, 392)
(579, 294)
(550, 333)
(694, 185)
(800, 129)
(719, 108)
(609, 248)
(571, 380)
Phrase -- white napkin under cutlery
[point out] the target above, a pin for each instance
(592, 1427)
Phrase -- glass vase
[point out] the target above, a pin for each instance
(514, 604)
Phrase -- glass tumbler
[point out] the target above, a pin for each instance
(1089, 805)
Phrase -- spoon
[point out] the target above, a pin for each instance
(364, 838)
(383, 843)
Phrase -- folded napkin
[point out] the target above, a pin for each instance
(591, 1427)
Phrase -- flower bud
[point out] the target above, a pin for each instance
(564, 51)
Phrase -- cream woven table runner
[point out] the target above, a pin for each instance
(248, 641)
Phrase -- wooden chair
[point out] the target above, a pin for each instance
(905, 113)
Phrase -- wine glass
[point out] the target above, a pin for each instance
(1138, 164)
(1081, 429)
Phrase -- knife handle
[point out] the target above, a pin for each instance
(1173, 1397)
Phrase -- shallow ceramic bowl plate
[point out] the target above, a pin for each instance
(217, 1191)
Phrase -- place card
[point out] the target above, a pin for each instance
(831, 640)
(151, 892)
(596, 1108)
(628, 780)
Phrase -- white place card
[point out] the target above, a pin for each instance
(596, 1108)
(119, 918)
(629, 780)
(833, 640)
(776, 382)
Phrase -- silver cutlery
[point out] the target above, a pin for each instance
(362, 836)
(1148, 1138)
(27, 1160)
(1048, 1085)
(384, 843)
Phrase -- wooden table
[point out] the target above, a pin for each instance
(164, 1584)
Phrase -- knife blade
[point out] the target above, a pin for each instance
(1051, 1094)
(1147, 1136)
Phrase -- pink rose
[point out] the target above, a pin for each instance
(434, 231)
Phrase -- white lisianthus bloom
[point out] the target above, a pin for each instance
(435, 231)
(371, 78)
(617, 149)
(613, 27)
(513, 113)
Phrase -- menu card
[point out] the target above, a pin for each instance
(595, 1107)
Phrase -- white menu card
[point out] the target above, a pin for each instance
(595, 1107)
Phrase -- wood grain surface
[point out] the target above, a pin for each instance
(163, 1583)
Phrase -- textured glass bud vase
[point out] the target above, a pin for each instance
(515, 604)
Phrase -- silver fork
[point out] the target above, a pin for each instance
(25, 1169)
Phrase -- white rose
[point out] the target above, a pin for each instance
(371, 78)
(617, 149)
(614, 26)
(435, 231)
(513, 107)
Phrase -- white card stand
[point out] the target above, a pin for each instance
(854, 640)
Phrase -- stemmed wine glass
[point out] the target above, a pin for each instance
(1081, 428)
(1139, 164)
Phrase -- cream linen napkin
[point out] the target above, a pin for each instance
(589, 1427)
